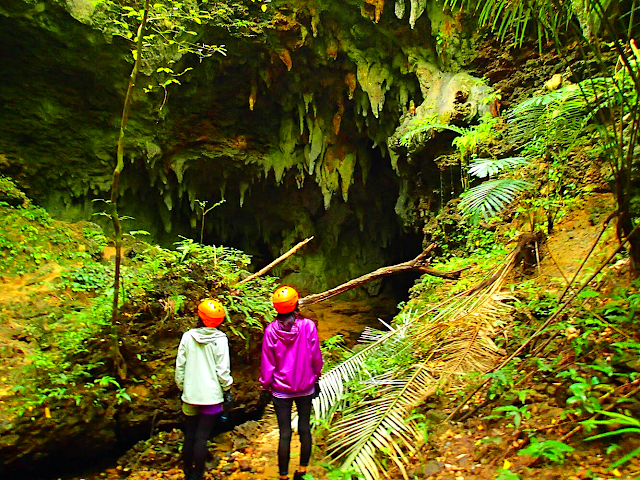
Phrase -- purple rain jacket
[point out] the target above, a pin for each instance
(291, 360)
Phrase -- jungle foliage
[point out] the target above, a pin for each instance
(597, 106)
(167, 27)
(371, 396)
(368, 401)
(68, 364)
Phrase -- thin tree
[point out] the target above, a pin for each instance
(120, 364)
(167, 22)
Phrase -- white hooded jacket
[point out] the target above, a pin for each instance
(202, 366)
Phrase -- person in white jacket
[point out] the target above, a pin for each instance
(203, 373)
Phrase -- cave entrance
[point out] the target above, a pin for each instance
(352, 237)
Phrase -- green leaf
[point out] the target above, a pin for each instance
(491, 197)
(488, 167)
(626, 458)
(614, 433)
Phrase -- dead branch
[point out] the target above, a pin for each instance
(420, 263)
(276, 261)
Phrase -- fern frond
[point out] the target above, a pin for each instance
(429, 126)
(560, 116)
(332, 382)
(488, 167)
(456, 340)
(490, 198)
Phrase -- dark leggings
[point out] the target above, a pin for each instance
(283, 412)
(197, 429)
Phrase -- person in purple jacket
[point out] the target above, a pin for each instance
(289, 372)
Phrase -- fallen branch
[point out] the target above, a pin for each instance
(417, 264)
(276, 261)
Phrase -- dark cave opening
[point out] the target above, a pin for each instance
(351, 238)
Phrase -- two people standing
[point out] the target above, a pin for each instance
(290, 368)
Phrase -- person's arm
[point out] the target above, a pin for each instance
(223, 363)
(181, 360)
(268, 360)
(316, 355)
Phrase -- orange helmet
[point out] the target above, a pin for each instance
(211, 312)
(285, 299)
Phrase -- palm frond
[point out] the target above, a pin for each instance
(490, 198)
(463, 342)
(332, 382)
(378, 424)
(457, 339)
(488, 167)
(560, 116)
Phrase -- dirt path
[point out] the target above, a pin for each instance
(258, 460)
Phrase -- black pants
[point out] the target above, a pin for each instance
(197, 429)
(283, 412)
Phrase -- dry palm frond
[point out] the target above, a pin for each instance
(332, 382)
(455, 341)
(379, 424)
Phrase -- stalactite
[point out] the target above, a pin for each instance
(193, 196)
(253, 95)
(378, 7)
(316, 142)
(179, 166)
(400, 8)
(374, 79)
(337, 118)
(394, 160)
(328, 179)
(244, 186)
(346, 168)
(403, 95)
(301, 113)
(168, 201)
(417, 9)
(165, 216)
(350, 80)
(285, 56)
(315, 18)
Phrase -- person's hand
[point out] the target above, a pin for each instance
(265, 397)
(227, 400)
(316, 392)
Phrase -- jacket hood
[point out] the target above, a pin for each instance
(286, 337)
(206, 335)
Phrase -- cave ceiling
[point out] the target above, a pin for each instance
(297, 126)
